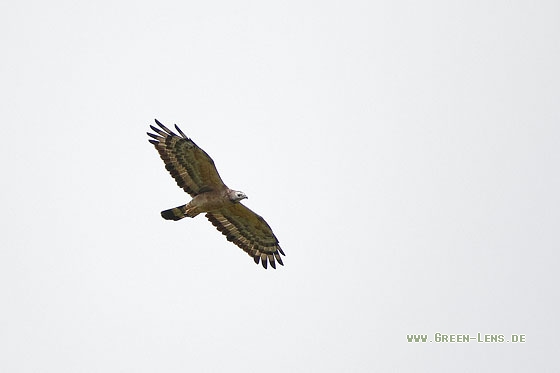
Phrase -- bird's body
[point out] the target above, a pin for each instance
(203, 202)
(195, 172)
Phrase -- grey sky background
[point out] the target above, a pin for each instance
(405, 154)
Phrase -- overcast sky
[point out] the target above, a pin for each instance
(405, 153)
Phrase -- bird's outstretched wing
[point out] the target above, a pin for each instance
(249, 231)
(190, 166)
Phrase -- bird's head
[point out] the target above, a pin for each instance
(236, 196)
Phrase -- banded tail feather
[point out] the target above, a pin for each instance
(176, 213)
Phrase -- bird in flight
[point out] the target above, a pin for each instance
(195, 172)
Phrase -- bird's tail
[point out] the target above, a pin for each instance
(178, 213)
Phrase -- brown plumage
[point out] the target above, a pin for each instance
(195, 172)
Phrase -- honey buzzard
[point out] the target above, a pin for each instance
(195, 172)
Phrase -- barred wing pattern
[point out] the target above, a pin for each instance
(249, 231)
(190, 166)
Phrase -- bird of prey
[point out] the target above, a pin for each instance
(195, 172)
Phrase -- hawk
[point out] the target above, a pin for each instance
(195, 172)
